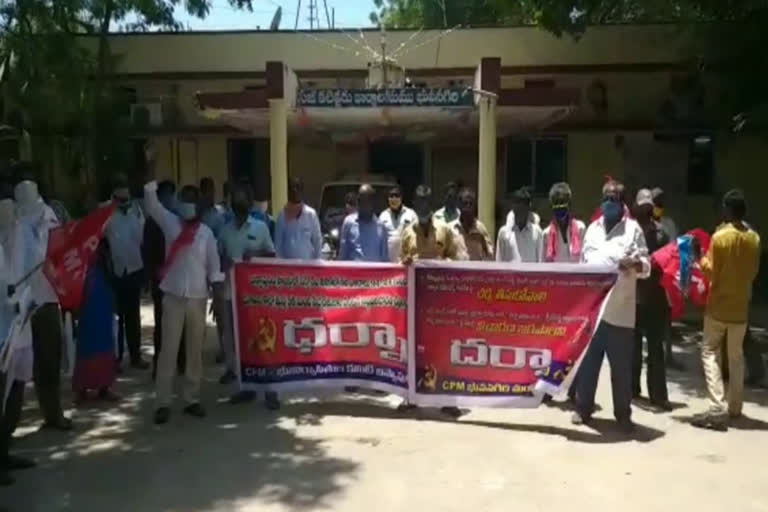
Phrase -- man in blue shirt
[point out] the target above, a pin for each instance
(363, 237)
(297, 232)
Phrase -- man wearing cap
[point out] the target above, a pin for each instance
(652, 310)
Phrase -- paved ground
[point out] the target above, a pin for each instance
(351, 453)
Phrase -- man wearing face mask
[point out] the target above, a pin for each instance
(395, 219)
(363, 237)
(660, 213)
(297, 231)
(35, 220)
(617, 241)
(20, 368)
(563, 239)
(241, 239)
(450, 210)
(191, 264)
(125, 235)
(652, 310)
(260, 210)
(430, 239)
(470, 230)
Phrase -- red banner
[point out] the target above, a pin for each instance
(500, 335)
(70, 252)
(304, 325)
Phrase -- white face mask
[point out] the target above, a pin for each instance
(7, 213)
(187, 211)
(28, 198)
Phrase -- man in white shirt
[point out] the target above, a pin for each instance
(563, 239)
(192, 263)
(35, 220)
(396, 218)
(527, 234)
(125, 235)
(616, 240)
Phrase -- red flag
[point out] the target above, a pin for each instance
(71, 249)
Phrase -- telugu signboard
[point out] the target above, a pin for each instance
(404, 97)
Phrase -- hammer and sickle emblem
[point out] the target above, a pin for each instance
(265, 336)
(430, 378)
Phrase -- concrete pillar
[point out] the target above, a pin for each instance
(278, 152)
(486, 167)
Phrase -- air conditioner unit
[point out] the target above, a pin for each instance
(144, 115)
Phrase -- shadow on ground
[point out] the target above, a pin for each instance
(239, 453)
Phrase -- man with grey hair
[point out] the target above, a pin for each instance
(617, 241)
(563, 239)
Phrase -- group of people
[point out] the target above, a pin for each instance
(622, 234)
(181, 247)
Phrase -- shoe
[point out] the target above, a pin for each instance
(662, 406)
(6, 479)
(63, 424)
(405, 407)
(271, 401)
(710, 422)
(351, 389)
(578, 419)
(626, 426)
(242, 397)
(735, 415)
(109, 396)
(195, 410)
(16, 463)
(227, 378)
(162, 415)
(453, 412)
(140, 365)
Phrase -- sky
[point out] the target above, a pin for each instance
(349, 13)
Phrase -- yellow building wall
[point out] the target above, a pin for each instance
(590, 157)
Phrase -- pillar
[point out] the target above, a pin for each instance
(278, 152)
(486, 168)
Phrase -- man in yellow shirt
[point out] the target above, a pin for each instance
(731, 264)
(429, 238)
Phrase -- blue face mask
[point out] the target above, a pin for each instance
(612, 210)
(561, 214)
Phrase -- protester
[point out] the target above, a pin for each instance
(36, 219)
(297, 231)
(653, 313)
(731, 264)
(125, 234)
(396, 218)
(363, 237)
(533, 217)
(58, 207)
(450, 210)
(260, 210)
(659, 213)
(210, 214)
(95, 367)
(192, 263)
(526, 233)
(20, 367)
(430, 239)
(350, 203)
(617, 241)
(242, 238)
(470, 230)
(563, 239)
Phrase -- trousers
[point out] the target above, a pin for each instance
(617, 343)
(47, 347)
(225, 320)
(128, 293)
(181, 314)
(157, 334)
(9, 418)
(715, 334)
(652, 323)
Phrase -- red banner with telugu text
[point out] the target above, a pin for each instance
(302, 325)
(500, 335)
(70, 252)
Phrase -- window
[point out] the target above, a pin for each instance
(537, 163)
(700, 165)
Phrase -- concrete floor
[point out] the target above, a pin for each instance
(351, 453)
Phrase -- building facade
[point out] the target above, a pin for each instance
(494, 108)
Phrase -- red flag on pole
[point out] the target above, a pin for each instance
(71, 249)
